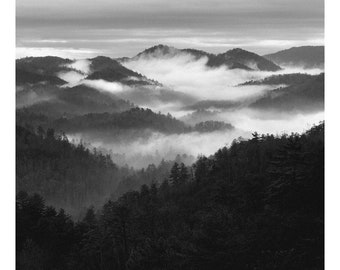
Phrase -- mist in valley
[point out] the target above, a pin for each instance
(187, 82)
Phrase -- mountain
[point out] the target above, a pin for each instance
(56, 102)
(293, 78)
(256, 204)
(164, 51)
(304, 56)
(307, 96)
(213, 104)
(233, 59)
(67, 175)
(210, 126)
(108, 69)
(158, 51)
(23, 77)
(47, 65)
(133, 119)
(47, 69)
(239, 58)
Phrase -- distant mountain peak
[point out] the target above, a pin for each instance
(303, 56)
(236, 50)
(158, 50)
(236, 58)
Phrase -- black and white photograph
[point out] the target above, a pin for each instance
(169, 135)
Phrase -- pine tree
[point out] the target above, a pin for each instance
(175, 174)
(184, 174)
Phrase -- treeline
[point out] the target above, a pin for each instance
(135, 118)
(73, 177)
(70, 176)
(115, 124)
(258, 204)
(304, 97)
(57, 102)
(152, 174)
(209, 126)
(289, 79)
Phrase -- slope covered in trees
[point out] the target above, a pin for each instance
(289, 79)
(305, 56)
(142, 121)
(73, 177)
(234, 59)
(257, 204)
(56, 102)
(47, 65)
(238, 58)
(133, 119)
(23, 77)
(108, 69)
(68, 176)
(304, 97)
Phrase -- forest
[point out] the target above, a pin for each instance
(256, 204)
(71, 176)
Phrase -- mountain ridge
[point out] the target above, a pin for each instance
(234, 59)
(305, 56)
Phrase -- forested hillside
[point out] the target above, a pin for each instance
(234, 59)
(257, 204)
(306, 56)
(307, 96)
(69, 176)
(288, 79)
(55, 102)
(135, 118)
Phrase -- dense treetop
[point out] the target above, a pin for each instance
(257, 204)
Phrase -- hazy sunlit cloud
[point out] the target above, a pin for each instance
(52, 51)
(102, 85)
(124, 45)
(83, 65)
(185, 74)
(123, 28)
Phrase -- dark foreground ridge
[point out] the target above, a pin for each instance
(258, 204)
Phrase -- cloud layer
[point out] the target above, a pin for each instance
(188, 76)
(120, 28)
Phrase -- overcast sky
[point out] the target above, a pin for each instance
(83, 28)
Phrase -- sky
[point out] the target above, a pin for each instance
(117, 28)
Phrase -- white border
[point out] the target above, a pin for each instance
(7, 109)
(7, 135)
(332, 185)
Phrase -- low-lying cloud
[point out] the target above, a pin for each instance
(152, 149)
(144, 151)
(187, 81)
(102, 85)
(83, 65)
(190, 76)
(72, 77)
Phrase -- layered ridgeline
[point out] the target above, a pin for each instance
(136, 122)
(304, 56)
(257, 204)
(41, 86)
(254, 204)
(100, 67)
(232, 59)
(105, 104)
(291, 93)
(53, 101)
(306, 95)
(60, 86)
(72, 177)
